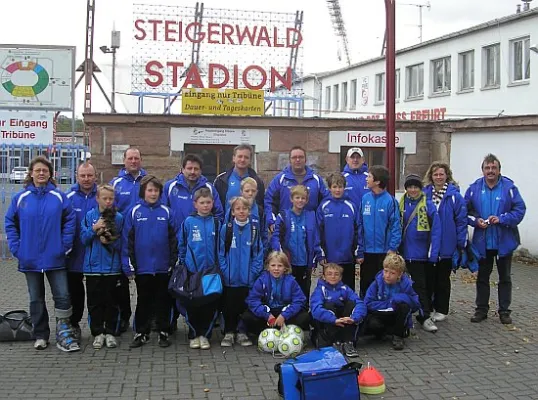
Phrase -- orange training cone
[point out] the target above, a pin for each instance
(371, 381)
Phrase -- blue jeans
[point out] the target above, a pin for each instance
(38, 309)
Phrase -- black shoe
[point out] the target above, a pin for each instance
(349, 350)
(124, 325)
(173, 328)
(139, 340)
(397, 343)
(505, 318)
(163, 339)
(479, 316)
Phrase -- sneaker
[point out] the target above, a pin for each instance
(110, 341)
(41, 344)
(398, 343)
(479, 316)
(429, 326)
(505, 318)
(139, 340)
(64, 336)
(163, 339)
(99, 341)
(349, 350)
(204, 343)
(243, 340)
(194, 343)
(228, 340)
(438, 317)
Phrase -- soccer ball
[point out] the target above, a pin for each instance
(290, 345)
(269, 339)
(294, 329)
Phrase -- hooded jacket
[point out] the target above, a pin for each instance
(259, 297)
(81, 203)
(179, 197)
(335, 294)
(40, 228)
(277, 196)
(511, 211)
(356, 186)
(199, 242)
(453, 215)
(149, 244)
(222, 180)
(127, 189)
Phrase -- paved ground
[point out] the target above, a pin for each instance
(461, 361)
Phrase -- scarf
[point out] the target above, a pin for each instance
(437, 196)
(421, 212)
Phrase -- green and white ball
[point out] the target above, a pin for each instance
(269, 339)
(290, 345)
(295, 330)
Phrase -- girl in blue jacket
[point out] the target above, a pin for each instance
(276, 299)
(241, 262)
(149, 252)
(102, 268)
(442, 190)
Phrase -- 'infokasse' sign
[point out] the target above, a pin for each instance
(26, 127)
(339, 139)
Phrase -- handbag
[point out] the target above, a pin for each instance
(16, 326)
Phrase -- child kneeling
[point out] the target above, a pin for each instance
(276, 299)
(391, 300)
(336, 311)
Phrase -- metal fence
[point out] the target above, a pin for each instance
(14, 161)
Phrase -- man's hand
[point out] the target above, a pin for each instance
(341, 322)
(480, 223)
(493, 219)
(360, 261)
(98, 225)
(280, 321)
(271, 320)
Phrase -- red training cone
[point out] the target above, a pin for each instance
(371, 381)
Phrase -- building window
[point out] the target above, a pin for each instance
(520, 59)
(353, 95)
(327, 99)
(380, 88)
(397, 95)
(491, 66)
(336, 97)
(466, 70)
(344, 96)
(440, 72)
(415, 81)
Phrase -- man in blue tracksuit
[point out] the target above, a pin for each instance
(495, 208)
(355, 172)
(82, 198)
(277, 196)
(379, 226)
(126, 187)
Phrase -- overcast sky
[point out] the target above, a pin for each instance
(62, 22)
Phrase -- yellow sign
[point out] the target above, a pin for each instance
(223, 101)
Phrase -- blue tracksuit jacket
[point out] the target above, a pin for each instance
(511, 210)
(277, 196)
(127, 189)
(356, 186)
(453, 215)
(338, 294)
(99, 258)
(260, 294)
(198, 242)
(379, 224)
(40, 228)
(338, 224)
(149, 240)
(81, 203)
(243, 262)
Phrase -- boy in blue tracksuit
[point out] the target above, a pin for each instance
(297, 235)
(241, 262)
(421, 239)
(199, 249)
(336, 311)
(149, 252)
(338, 225)
(276, 299)
(390, 301)
(379, 226)
(102, 267)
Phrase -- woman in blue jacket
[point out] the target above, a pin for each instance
(443, 191)
(40, 229)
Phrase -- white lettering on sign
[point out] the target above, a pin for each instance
(338, 139)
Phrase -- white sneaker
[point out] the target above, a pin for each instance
(429, 326)
(438, 317)
(228, 340)
(204, 343)
(243, 340)
(98, 341)
(194, 343)
(110, 341)
(41, 344)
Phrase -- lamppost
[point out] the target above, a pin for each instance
(390, 97)
(114, 46)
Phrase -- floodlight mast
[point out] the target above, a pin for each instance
(339, 26)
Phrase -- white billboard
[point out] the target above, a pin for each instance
(26, 127)
(37, 77)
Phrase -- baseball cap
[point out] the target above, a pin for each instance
(354, 150)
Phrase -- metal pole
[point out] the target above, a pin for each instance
(113, 100)
(420, 23)
(390, 100)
